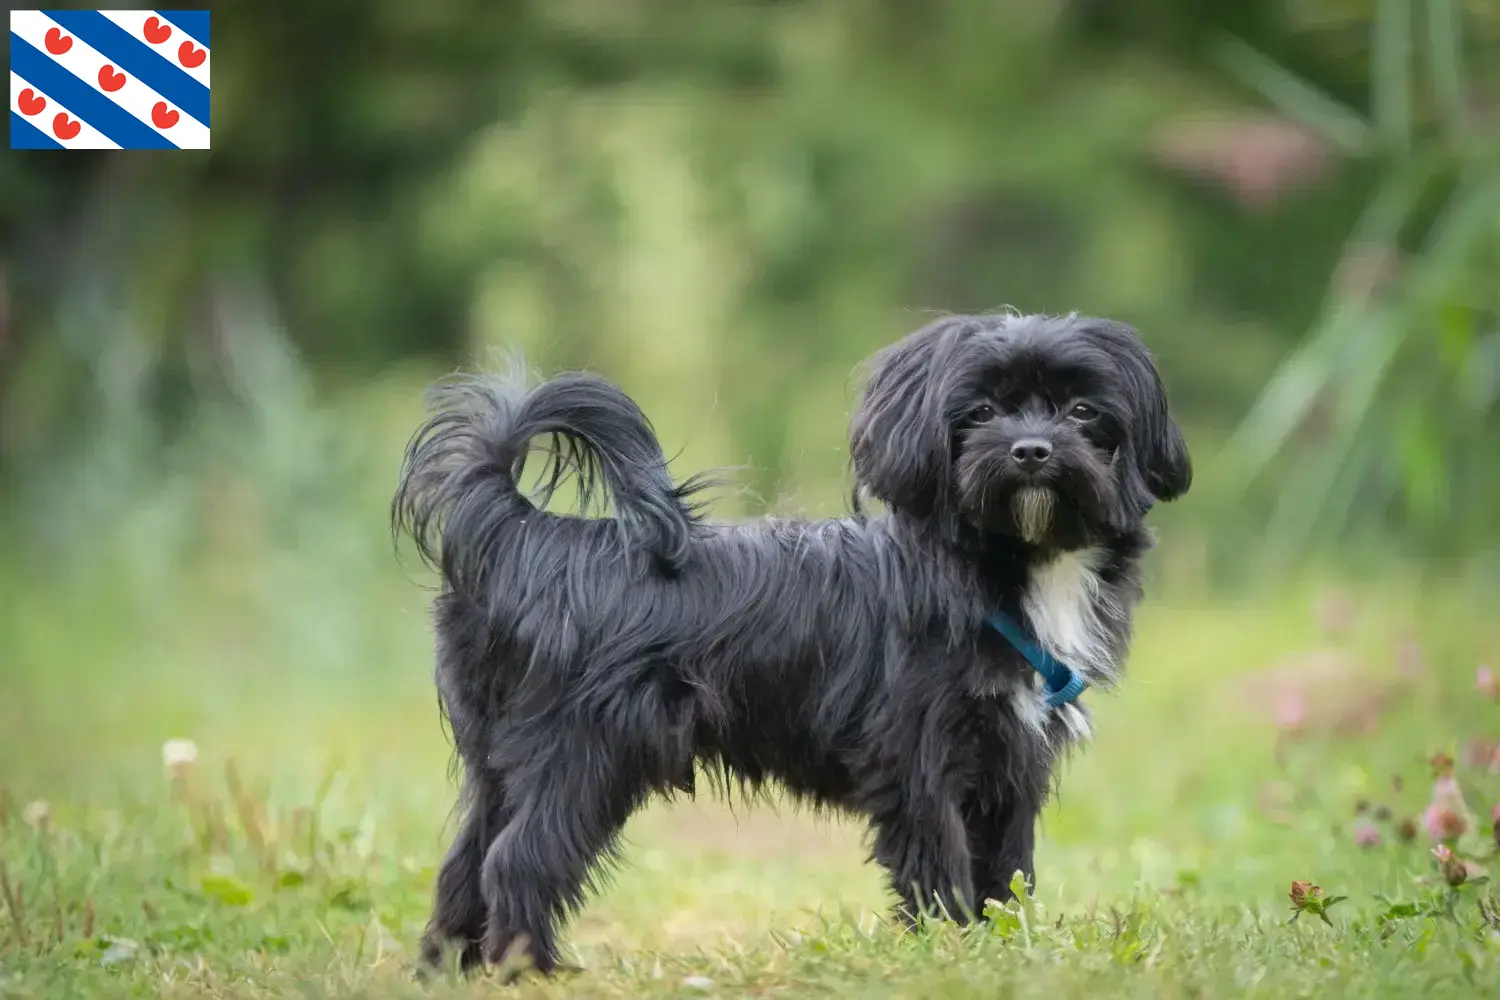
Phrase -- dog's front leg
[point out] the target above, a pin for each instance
(1003, 841)
(925, 852)
(906, 788)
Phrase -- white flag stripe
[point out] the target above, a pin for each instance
(134, 23)
(88, 137)
(134, 97)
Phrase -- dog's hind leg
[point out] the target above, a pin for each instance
(570, 805)
(465, 692)
(458, 911)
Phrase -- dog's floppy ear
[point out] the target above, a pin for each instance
(898, 438)
(1161, 457)
(1165, 463)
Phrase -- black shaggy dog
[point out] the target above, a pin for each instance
(919, 668)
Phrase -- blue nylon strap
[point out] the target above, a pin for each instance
(1063, 685)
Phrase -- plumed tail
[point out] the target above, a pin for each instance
(460, 481)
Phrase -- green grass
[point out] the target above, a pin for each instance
(297, 858)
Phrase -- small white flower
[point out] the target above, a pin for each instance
(38, 815)
(179, 756)
(698, 982)
(119, 950)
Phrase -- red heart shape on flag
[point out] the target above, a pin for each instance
(161, 117)
(155, 31)
(57, 42)
(109, 79)
(63, 128)
(190, 57)
(31, 102)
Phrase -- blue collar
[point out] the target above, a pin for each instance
(1063, 685)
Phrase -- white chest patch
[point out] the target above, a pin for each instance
(1062, 605)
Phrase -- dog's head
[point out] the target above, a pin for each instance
(1053, 430)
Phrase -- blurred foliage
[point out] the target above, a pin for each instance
(1397, 385)
(726, 204)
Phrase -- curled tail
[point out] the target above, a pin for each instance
(460, 481)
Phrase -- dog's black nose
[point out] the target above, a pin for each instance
(1031, 453)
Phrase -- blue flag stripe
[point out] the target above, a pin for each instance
(194, 22)
(136, 58)
(24, 135)
(81, 99)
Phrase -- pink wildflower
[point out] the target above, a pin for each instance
(1444, 824)
(1309, 898)
(1446, 816)
(1454, 871)
(1487, 681)
(1291, 711)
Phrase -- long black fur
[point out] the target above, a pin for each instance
(587, 663)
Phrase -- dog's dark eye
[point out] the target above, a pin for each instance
(983, 413)
(1083, 412)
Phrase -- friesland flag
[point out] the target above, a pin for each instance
(109, 79)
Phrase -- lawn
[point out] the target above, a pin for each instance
(1261, 739)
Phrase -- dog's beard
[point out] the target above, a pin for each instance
(1032, 507)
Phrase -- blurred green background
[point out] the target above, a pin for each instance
(210, 362)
